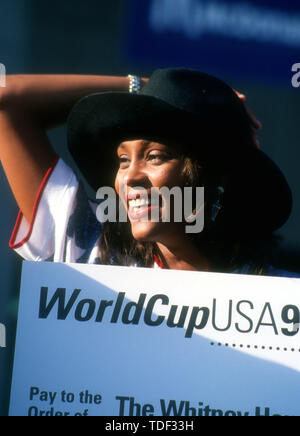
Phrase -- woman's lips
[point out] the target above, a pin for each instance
(141, 207)
(141, 212)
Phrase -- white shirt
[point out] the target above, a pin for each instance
(64, 227)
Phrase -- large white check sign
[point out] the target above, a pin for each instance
(115, 341)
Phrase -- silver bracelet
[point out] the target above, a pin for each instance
(135, 84)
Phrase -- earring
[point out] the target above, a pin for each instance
(218, 205)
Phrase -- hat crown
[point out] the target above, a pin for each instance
(189, 90)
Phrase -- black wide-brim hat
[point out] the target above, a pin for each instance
(201, 116)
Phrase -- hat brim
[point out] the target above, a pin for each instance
(259, 192)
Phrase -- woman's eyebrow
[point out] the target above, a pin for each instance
(145, 143)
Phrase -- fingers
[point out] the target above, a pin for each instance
(240, 96)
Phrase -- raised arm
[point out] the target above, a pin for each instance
(29, 106)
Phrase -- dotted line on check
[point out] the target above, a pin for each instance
(255, 347)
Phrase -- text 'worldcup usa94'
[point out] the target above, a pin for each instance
(242, 316)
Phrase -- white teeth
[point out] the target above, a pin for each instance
(138, 202)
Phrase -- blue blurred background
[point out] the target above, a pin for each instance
(251, 44)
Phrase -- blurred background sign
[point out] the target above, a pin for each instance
(255, 39)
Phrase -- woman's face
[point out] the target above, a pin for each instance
(144, 167)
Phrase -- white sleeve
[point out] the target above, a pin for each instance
(44, 237)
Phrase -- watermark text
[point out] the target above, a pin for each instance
(176, 205)
(296, 76)
(2, 336)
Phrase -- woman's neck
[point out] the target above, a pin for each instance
(182, 255)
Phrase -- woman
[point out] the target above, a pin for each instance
(185, 129)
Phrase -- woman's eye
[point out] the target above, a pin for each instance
(158, 157)
(123, 161)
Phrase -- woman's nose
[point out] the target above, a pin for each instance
(135, 175)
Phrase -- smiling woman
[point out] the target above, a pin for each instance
(182, 132)
(149, 173)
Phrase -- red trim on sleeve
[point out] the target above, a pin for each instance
(12, 243)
